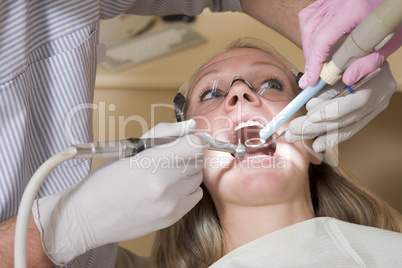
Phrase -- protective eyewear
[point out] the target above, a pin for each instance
(213, 88)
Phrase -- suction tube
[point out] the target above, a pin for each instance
(369, 36)
(290, 109)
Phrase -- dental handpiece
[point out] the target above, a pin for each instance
(108, 149)
(369, 36)
(130, 147)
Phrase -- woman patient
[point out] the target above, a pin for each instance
(282, 206)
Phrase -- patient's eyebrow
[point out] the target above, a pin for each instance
(212, 71)
(256, 63)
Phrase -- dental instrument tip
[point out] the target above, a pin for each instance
(240, 152)
(258, 143)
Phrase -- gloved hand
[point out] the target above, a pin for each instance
(323, 23)
(335, 120)
(124, 199)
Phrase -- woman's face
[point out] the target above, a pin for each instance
(274, 175)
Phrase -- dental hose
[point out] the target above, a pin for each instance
(122, 148)
(91, 150)
(30, 192)
(369, 36)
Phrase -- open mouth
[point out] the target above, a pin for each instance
(249, 130)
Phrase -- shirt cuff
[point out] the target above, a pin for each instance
(232, 5)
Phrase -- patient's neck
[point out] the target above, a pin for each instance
(242, 224)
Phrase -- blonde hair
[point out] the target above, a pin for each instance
(196, 239)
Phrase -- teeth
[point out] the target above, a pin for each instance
(248, 124)
(259, 156)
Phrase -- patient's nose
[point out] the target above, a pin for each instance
(239, 94)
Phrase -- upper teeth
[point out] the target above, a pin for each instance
(248, 124)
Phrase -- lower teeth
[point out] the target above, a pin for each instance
(260, 156)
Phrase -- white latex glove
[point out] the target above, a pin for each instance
(323, 23)
(335, 120)
(124, 199)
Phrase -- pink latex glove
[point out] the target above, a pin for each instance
(323, 23)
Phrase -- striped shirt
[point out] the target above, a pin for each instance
(47, 71)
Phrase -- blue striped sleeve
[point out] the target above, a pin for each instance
(47, 76)
(47, 70)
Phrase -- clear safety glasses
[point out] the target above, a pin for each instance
(209, 87)
(213, 96)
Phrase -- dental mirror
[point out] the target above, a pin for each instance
(258, 143)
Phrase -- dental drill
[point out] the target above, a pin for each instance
(369, 36)
(122, 149)
(130, 147)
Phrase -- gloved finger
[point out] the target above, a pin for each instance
(330, 91)
(337, 21)
(318, 129)
(188, 202)
(190, 144)
(184, 205)
(302, 128)
(296, 130)
(194, 164)
(314, 104)
(337, 108)
(362, 67)
(185, 144)
(309, 128)
(367, 64)
(374, 94)
(186, 186)
(329, 133)
(290, 137)
(325, 125)
(325, 37)
(303, 82)
(326, 95)
(306, 130)
(171, 129)
(105, 164)
(309, 19)
(333, 138)
(326, 141)
(186, 155)
(296, 126)
(355, 116)
(173, 210)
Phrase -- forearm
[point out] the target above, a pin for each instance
(279, 15)
(36, 255)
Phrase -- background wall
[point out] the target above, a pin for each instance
(126, 105)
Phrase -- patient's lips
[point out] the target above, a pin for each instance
(248, 130)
